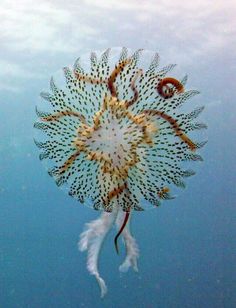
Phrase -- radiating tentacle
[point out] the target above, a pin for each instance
(91, 240)
(132, 251)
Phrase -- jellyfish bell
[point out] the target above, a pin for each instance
(115, 136)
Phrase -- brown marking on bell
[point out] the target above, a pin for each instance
(115, 192)
(117, 70)
(120, 172)
(85, 130)
(79, 144)
(151, 128)
(105, 169)
(148, 140)
(85, 133)
(131, 163)
(96, 119)
(92, 155)
(113, 101)
(58, 115)
(109, 168)
(174, 125)
(68, 162)
(138, 119)
(134, 89)
(122, 105)
(79, 130)
(104, 157)
(89, 79)
(105, 102)
(188, 141)
(100, 157)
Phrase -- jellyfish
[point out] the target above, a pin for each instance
(114, 135)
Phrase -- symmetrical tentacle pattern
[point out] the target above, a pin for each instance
(115, 136)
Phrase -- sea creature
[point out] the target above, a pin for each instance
(115, 137)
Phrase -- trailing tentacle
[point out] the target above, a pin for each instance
(91, 240)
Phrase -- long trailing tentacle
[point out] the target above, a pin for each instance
(132, 251)
(174, 125)
(121, 230)
(92, 239)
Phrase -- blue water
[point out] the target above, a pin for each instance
(187, 246)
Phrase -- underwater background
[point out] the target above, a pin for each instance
(187, 246)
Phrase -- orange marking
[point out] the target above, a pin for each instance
(164, 83)
(117, 70)
(110, 81)
(90, 79)
(115, 192)
(163, 191)
(69, 162)
(56, 116)
(174, 125)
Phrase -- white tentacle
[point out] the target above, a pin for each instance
(132, 251)
(91, 240)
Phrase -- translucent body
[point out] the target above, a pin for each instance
(116, 136)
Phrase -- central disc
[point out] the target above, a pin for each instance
(113, 139)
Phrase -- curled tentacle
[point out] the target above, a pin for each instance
(170, 91)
